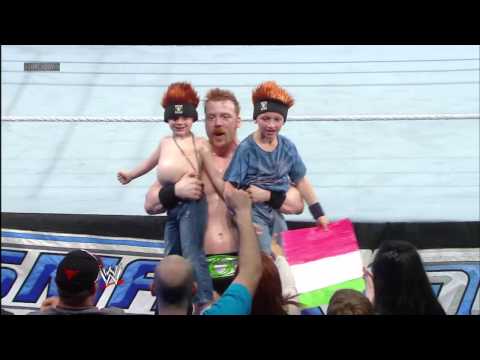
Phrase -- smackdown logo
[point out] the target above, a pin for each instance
(30, 260)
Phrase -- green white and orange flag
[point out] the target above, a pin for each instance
(323, 262)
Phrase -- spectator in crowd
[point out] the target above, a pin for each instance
(174, 286)
(276, 292)
(398, 283)
(349, 302)
(289, 290)
(76, 279)
(269, 298)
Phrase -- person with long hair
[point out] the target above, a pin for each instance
(276, 293)
(271, 298)
(398, 283)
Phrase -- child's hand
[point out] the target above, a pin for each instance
(258, 229)
(124, 177)
(323, 222)
(257, 194)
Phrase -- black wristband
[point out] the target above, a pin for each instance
(316, 210)
(167, 196)
(276, 199)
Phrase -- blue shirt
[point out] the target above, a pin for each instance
(251, 165)
(236, 300)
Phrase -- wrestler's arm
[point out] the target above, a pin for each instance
(189, 187)
(152, 202)
(293, 203)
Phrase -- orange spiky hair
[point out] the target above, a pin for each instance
(270, 90)
(180, 93)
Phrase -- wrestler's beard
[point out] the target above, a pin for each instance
(220, 138)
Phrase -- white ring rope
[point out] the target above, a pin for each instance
(248, 62)
(153, 119)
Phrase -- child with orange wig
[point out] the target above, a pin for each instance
(176, 156)
(271, 161)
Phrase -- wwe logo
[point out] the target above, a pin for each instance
(178, 109)
(263, 105)
(111, 275)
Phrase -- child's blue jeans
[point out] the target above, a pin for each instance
(184, 232)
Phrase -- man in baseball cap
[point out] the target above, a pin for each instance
(76, 280)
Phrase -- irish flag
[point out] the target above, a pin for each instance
(323, 262)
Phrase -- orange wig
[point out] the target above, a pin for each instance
(270, 90)
(180, 93)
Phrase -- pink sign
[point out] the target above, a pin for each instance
(309, 244)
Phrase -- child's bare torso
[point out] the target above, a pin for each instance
(172, 164)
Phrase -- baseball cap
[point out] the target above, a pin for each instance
(77, 272)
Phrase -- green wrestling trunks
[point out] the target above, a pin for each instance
(222, 265)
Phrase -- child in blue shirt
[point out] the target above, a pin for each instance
(271, 161)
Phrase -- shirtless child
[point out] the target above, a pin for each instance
(176, 156)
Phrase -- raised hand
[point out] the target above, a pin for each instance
(238, 201)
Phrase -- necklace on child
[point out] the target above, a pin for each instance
(185, 155)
